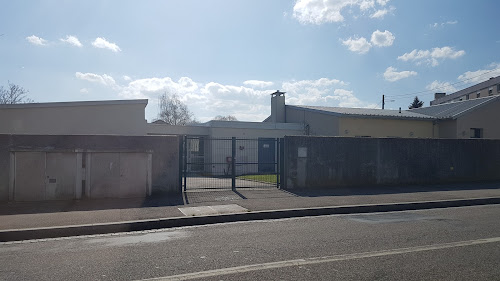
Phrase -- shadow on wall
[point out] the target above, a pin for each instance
(392, 189)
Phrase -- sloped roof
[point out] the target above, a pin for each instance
(365, 112)
(454, 109)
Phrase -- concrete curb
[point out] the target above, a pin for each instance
(140, 225)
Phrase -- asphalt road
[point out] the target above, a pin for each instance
(441, 244)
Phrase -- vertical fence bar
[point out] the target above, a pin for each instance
(233, 164)
(185, 160)
(277, 162)
(282, 163)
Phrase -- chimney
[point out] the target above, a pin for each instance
(400, 110)
(439, 95)
(278, 107)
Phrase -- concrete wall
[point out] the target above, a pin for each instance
(75, 118)
(378, 127)
(164, 149)
(328, 162)
(228, 129)
(486, 117)
(278, 111)
(165, 129)
(447, 129)
(318, 124)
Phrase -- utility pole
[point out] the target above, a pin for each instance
(383, 101)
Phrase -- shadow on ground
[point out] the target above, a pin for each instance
(12, 208)
(200, 196)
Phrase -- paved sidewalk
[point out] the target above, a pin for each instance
(66, 213)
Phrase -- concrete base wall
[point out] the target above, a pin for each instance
(325, 162)
(164, 152)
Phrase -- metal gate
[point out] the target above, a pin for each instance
(229, 163)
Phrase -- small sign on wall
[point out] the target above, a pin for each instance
(302, 152)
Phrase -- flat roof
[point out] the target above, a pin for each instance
(74, 103)
(240, 125)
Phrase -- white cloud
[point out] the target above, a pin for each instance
(433, 56)
(35, 40)
(84, 90)
(72, 40)
(258, 83)
(438, 86)
(467, 79)
(391, 74)
(481, 75)
(380, 14)
(358, 45)
(324, 91)
(442, 24)
(382, 39)
(328, 11)
(207, 100)
(126, 78)
(362, 46)
(102, 43)
(96, 78)
(366, 5)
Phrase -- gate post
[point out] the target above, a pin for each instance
(181, 163)
(233, 164)
(185, 160)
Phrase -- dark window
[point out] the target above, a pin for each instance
(498, 88)
(490, 91)
(476, 133)
(478, 95)
(467, 97)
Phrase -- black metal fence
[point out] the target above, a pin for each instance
(228, 163)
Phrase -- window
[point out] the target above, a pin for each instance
(490, 91)
(478, 95)
(467, 97)
(498, 88)
(476, 133)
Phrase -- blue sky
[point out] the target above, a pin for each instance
(226, 57)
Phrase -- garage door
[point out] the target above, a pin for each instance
(118, 174)
(44, 176)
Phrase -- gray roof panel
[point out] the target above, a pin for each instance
(366, 112)
(454, 109)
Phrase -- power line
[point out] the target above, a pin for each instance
(442, 87)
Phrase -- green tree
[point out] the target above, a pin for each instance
(416, 103)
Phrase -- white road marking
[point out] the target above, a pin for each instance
(318, 260)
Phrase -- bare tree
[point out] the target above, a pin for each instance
(14, 94)
(225, 118)
(173, 111)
